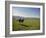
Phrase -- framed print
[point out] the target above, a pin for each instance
(24, 18)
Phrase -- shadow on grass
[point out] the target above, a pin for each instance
(23, 25)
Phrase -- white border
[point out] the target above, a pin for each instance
(32, 31)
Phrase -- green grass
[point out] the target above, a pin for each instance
(28, 24)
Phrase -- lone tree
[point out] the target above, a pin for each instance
(21, 20)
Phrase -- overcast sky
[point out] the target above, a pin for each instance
(26, 12)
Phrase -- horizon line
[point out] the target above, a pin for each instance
(29, 16)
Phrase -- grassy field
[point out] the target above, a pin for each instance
(28, 24)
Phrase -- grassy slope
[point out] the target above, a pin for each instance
(28, 24)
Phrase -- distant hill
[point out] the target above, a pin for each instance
(17, 17)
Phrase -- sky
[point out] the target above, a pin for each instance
(26, 12)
